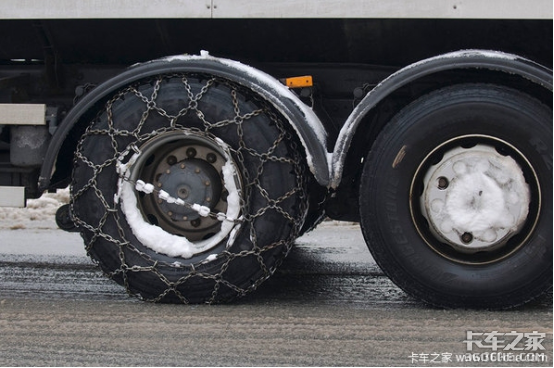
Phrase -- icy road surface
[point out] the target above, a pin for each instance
(328, 305)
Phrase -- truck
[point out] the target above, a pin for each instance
(200, 138)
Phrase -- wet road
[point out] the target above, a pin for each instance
(329, 304)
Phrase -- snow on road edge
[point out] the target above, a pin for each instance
(39, 213)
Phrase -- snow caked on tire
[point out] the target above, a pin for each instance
(188, 188)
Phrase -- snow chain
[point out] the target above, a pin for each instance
(250, 183)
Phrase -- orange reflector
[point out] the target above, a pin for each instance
(298, 82)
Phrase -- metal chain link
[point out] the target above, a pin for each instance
(251, 182)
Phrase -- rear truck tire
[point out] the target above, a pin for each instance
(456, 198)
(188, 188)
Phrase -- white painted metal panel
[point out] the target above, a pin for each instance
(12, 196)
(22, 114)
(82, 9)
(426, 9)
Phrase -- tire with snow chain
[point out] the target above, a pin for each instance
(456, 198)
(188, 188)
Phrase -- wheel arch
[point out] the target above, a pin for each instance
(57, 166)
(367, 119)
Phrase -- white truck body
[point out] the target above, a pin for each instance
(244, 9)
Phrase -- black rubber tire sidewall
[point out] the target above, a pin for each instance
(385, 204)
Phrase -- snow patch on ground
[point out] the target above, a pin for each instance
(39, 213)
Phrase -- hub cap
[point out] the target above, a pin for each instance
(475, 199)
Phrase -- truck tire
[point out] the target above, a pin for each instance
(188, 189)
(456, 198)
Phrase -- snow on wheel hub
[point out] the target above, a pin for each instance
(193, 176)
(475, 199)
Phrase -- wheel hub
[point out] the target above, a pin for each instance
(192, 180)
(195, 169)
(475, 199)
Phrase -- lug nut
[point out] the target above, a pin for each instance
(443, 183)
(171, 160)
(191, 152)
(467, 237)
(211, 158)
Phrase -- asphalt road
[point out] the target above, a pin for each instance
(328, 305)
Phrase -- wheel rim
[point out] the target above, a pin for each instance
(475, 199)
(191, 173)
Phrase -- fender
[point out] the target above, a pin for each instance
(307, 125)
(466, 59)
